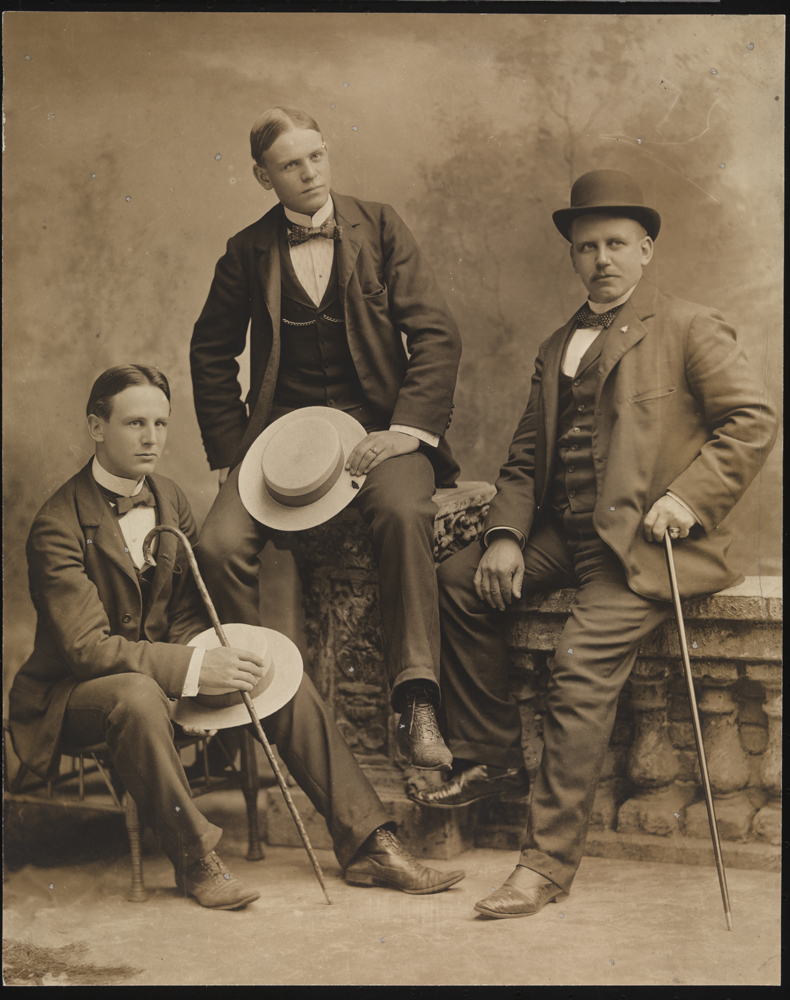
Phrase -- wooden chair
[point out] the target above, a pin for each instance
(68, 791)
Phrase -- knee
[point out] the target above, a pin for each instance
(139, 698)
(455, 577)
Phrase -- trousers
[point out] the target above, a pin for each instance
(592, 661)
(396, 504)
(132, 714)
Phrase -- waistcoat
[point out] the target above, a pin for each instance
(316, 367)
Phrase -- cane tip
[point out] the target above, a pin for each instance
(729, 921)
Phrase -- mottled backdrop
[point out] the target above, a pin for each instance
(127, 167)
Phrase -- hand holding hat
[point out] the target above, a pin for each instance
(377, 447)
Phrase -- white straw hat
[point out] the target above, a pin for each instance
(223, 709)
(294, 476)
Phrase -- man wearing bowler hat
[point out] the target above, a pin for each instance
(643, 416)
(112, 661)
(344, 314)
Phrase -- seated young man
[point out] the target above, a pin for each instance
(110, 658)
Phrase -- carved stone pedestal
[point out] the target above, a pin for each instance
(340, 595)
(767, 824)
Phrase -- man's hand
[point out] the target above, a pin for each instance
(224, 668)
(197, 731)
(223, 475)
(377, 448)
(500, 573)
(667, 513)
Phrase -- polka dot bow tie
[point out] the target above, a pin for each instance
(586, 318)
(301, 234)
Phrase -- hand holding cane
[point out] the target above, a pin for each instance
(703, 763)
(247, 700)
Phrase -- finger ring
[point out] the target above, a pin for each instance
(674, 532)
(374, 449)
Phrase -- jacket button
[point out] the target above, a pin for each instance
(574, 447)
(580, 407)
(577, 381)
(571, 468)
(126, 619)
(572, 493)
(331, 402)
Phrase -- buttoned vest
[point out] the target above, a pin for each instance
(316, 367)
(573, 482)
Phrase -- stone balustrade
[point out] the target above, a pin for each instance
(649, 803)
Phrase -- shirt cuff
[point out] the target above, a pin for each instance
(424, 436)
(682, 503)
(518, 535)
(192, 682)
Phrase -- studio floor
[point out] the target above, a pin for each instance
(67, 922)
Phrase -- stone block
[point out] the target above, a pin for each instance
(734, 814)
(767, 824)
(655, 812)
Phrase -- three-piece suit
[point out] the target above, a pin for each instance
(663, 400)
(346, 352)
(110, 658)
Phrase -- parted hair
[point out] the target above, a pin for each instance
(112, 382)
(272, 124)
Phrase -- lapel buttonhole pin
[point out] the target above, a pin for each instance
(623, 329)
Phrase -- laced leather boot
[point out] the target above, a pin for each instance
(418, 734)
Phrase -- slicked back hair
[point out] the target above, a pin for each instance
(112, 382)
(274, 123)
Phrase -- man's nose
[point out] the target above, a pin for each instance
(602, 256)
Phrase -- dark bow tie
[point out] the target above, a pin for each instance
(144, 498)
(301, 234)
(586, 318)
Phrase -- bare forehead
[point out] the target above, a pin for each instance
(293, 144)
(139, 401)
(601, 226)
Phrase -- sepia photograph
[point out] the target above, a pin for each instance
(392, 494)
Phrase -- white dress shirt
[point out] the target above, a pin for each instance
(135, 525)
(580, 341)
(312, 262)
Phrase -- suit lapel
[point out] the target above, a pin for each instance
(550, 385)
(348, 247)
(167, 545)
(627, 330)
(94, 513)
(267, 247)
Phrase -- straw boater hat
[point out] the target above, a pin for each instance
(223, 709)
(294, 476)
(607, 192)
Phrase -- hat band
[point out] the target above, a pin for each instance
(305, 499)
(231, 698)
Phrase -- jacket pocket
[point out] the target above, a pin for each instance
(644, 397)
(375, 288)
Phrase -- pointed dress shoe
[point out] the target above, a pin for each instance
(471, 785)
(212, 885)
(383, 861)
(520, 896)
(419, 738)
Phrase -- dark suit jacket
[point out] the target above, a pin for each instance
(387, 287)
(90, 609)
(677, 407)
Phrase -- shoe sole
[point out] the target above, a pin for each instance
(227, 906)
(366, 881)
(508, 916)
(453, 805)
(436, 767)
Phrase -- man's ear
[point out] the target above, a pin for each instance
(261, 176)
(95, 428)
(573, 260)
(646, 247)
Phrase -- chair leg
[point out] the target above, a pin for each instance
(137, 893)
(250, 787)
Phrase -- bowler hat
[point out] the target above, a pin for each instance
(607, 192)
(294, 475)
(225, 708)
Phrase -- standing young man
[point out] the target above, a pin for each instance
(644, 415)
(110, 657)
(330, 286)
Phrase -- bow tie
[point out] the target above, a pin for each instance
(301, 234)
(586, 318)
(144, 498)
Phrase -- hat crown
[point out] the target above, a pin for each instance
(301, 457)
(605, 187)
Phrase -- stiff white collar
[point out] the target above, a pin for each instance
(318, 219)
(604, 307)
(123, 487)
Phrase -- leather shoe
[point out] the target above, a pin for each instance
(418, 734)
(383, 861)
(513, 900)
(212, 885)
(471, 785)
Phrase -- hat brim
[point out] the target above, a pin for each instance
(647, 217)
(282, 680)
(264, 508)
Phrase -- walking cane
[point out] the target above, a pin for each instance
(703, 763)
(247, 700)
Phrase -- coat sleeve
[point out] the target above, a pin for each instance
(218, 338)
(515, 504)
(419, 311)
(187, 614)
(71, 610)
(742, 420)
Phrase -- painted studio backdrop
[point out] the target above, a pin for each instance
(127, 167)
